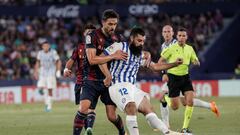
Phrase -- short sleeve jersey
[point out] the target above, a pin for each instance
(98, 41)
(187, 53)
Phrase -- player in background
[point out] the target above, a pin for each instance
(47, 68)
(78, 59)
(93, 86)
(123, 91)
(167, 33)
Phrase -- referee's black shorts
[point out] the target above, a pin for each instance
(179, 83)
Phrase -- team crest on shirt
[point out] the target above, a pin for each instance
(110, 49)
(123, 100)
(88, 39)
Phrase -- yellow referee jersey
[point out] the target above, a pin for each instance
(176, 51)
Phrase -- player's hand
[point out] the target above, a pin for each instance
(107, 81)
(179, 61)
(120, 55)
(147, 57)
(196, 63)
(67, 72)
(58, 74)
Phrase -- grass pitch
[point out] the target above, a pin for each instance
(30, 119)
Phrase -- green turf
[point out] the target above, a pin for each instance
(30, 119)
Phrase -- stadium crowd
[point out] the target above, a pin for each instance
(87, 2)
(19, 36)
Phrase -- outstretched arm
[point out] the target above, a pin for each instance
(161, 65)
(94, 59)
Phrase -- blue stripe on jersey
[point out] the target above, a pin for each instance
(105, 52)
(116, 67)
(136, 70)
(130, 73)
(128, 66)
(111, 70)
(123, 64)
(164, 45)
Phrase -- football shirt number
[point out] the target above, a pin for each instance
(123, 91)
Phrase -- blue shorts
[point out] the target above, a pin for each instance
(92, 90)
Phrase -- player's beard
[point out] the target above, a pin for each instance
(136, 50)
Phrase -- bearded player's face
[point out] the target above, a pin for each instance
(139, 40)
(137, 43)
(109, 25)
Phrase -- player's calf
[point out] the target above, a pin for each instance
(115, 119)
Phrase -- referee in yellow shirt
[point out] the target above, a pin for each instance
(179, 80)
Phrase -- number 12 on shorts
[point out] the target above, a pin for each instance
(123, 91)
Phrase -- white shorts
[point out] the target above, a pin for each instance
(49, 82)
(123, 93)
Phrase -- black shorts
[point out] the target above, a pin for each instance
(179, 83)
(77, 90)
(92, 90)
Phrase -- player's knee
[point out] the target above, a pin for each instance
(146, 109)
(189, 103)
(174, 107)
(183, 101)
(84, 106)
(83, 109)
(131, 108)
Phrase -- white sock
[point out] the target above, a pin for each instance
(45, 97)
(132, 125)
(201, 103)
(165, 115)
(49, 102)
(156, 123)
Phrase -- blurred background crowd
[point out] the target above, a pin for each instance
(85, 2)
(19, 35)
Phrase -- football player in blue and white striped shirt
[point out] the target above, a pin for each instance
(123, 92)
(47, 68)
